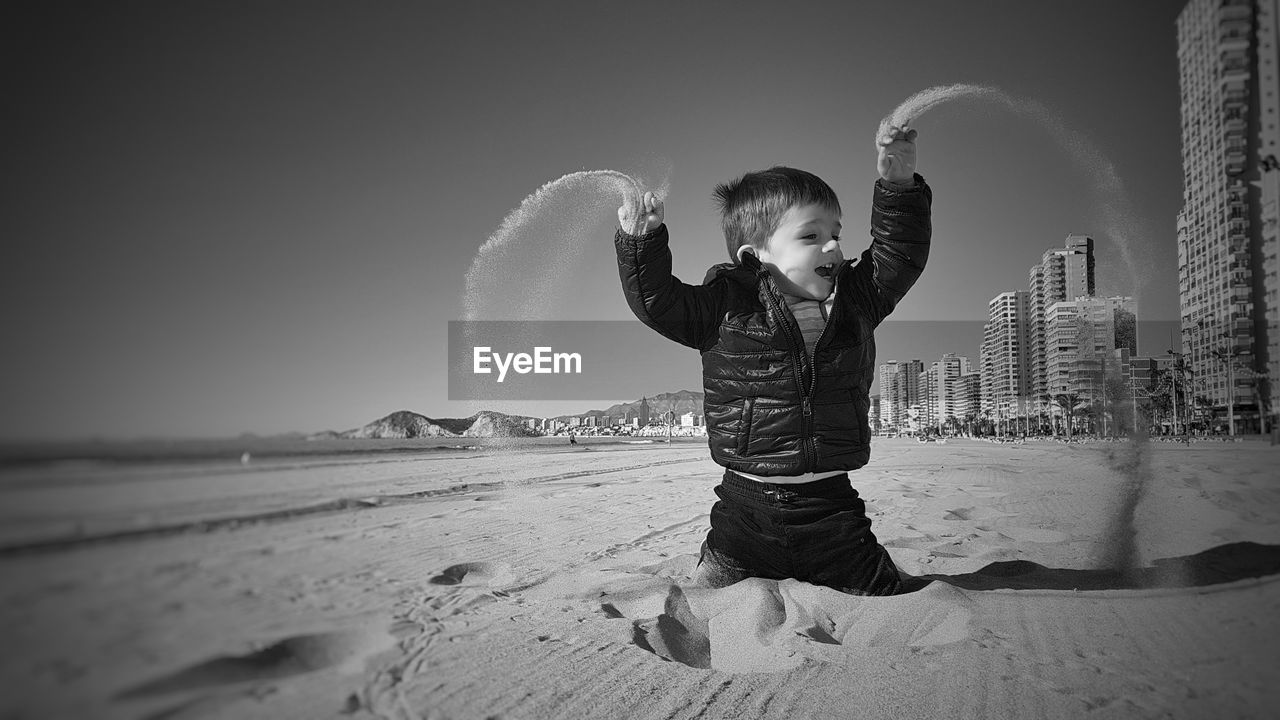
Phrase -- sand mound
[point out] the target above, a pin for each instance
(772, 626)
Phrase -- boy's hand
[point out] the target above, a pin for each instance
(638, 218)
(896, 158)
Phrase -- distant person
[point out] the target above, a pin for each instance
(786, 336)
(572, 440)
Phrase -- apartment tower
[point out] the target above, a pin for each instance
(1227, 228)
(1005, 361)
(1064, 274)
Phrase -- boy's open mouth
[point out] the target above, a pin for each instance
(825, 271)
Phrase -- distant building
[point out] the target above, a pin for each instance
(926, 383)
(1064, 273)
(942, 395)
(1005, 362)
(888, 377)
(899, 390)
(642, 413)
(969, 392)
(1083, 337)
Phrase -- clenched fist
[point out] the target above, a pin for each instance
(896, 154)
(638, 218)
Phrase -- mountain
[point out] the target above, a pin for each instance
(681, 402)
(487, 423)
(405, 424)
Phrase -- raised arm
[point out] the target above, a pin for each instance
(688, 314)
(901, 226)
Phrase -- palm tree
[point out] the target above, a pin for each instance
(1160, 391)
(1046, 401)
(1069, 402)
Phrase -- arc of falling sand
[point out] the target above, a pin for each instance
(1118, 542)
(626, 187)
(1117, 211)
(498, 251)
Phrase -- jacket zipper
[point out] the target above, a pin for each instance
(806, 399)
(796, 368)
(809, 439)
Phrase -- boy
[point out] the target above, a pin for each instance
(788, 354)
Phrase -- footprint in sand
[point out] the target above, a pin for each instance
(473, 573)
(677, 634)
(1034, 535)
(346, 649)
(970, 513)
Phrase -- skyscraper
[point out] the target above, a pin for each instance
(1064, 274)
(942, 392)
(1228, 250)
(899, 392)
(888, 391)
(1005, 362)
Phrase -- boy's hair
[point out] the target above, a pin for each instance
(752, 206)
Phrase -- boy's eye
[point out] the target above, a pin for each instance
(836, 238)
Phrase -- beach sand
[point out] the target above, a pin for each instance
(1107, 581)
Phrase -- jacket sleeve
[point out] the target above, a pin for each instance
(688, 314)
(901, 227)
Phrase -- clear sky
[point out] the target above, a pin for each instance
(256, 216)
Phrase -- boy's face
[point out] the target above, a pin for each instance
(804, 252)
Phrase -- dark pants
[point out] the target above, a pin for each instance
(817, 532)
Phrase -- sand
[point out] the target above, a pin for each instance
(554, 583)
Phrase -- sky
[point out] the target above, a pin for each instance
(257, 217)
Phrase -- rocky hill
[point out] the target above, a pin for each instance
(405, 424)
(681, 402)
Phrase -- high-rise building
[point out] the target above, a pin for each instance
(909, 398)
(1088, 338)
(926, 397)
(888, 391)
(1064, 274)
(969, 392)
(899, 391)
(1228, 245)
(941, 392)
(1005, 362)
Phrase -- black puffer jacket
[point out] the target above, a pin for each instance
(769, 409)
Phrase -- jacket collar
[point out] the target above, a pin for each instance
(746, 272)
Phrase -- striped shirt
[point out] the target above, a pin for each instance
(811, 316)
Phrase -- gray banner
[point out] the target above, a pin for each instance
(624, 359)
